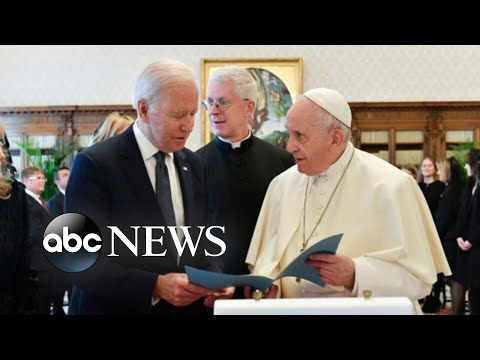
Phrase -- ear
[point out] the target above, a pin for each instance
(142, 107)
(338, 137)
(251, 109)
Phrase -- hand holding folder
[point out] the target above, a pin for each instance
(297, 268)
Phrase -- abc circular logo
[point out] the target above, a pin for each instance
(72, 242)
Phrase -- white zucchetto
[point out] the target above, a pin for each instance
(333, 102)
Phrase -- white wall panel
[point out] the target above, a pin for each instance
(97, 75)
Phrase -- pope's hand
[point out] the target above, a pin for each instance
(334, 269)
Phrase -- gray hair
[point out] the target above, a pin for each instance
(245, 85)
(330, 122)
(159, 75)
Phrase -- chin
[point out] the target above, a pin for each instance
(301, 169)
(217, 132)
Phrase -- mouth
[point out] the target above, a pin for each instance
(217, 122)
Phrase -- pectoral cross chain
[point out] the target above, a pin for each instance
(301, 250)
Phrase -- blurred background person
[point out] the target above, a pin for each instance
(114, 124)
(38, 219)
(450, 172)
(61, 282)
(432, 189)
(410, 169)
(55, 204)
(15, 286)
(468, 235)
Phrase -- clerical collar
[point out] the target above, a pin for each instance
(237, 144)
(227, 146)
(340, 164)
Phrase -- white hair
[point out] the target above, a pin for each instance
(330, 122)
(245, 85)
(159, 75)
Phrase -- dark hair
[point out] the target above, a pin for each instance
(55, 174)
(457, 176)
(474, 161)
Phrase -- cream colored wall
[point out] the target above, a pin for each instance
(95, 75)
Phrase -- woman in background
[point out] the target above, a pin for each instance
(468, 232)
(432, 189)
(451, 173)
(16, 292)
(114, 124)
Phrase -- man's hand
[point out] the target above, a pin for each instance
(271, 292)
(334, 269)
(225, 293)
(175, 289)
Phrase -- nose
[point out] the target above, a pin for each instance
(215, 109)
(188, 124)
(291, 146)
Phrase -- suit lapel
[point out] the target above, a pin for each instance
(37, 206)
(135, 172)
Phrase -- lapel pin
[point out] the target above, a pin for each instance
(185, 168)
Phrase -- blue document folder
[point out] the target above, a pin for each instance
(297, 268)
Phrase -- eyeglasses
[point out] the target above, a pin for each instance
(222, 104)
(39, 178)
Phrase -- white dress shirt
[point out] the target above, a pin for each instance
(35, 196)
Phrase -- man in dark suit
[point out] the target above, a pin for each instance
(38, 219)
(55, 204)
(115, 183)
(240, 165)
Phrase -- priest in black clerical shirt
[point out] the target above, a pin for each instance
(240, 166)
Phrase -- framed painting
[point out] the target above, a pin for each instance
(279, 83)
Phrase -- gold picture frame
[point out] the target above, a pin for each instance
(277, 100)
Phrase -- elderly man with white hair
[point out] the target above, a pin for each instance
(389, 246)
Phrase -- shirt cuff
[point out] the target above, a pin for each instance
(354, 291)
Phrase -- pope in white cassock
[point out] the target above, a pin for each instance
(390, 244)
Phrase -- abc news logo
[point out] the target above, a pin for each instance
(72, 242)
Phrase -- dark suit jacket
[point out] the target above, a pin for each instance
(38, 220)
(55, 204)
(238, 180)
(109, 183)
(16, 291)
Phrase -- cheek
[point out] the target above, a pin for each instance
(160, 129)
